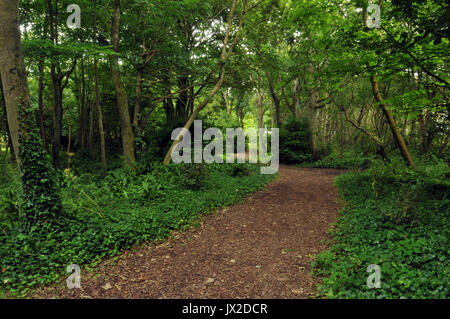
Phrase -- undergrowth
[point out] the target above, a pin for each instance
(397, 218)
(103, 216)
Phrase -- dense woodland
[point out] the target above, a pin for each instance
(87, 114)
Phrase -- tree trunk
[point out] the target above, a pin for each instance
(295, 97)
(100, 119)
(40, 112)
(57, 115)
(83, 111)
(12, 71)
(276, 100)
(390, 118)
(273, 121)
(388, 114)
(97, 100)
(260, 109)
(313, 97)
(122, 97)
(137, 106)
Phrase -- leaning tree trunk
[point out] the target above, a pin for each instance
(121, 93)
(224, 56)
(388, 114)
(392, 124)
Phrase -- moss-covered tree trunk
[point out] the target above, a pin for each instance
(40, 202)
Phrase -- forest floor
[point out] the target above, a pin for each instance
(261, 248)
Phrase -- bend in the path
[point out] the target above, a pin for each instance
(261, 248)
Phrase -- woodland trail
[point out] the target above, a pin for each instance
(261, 248)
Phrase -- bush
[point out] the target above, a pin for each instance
(295, 142)
(195, 175)
(348, 159)
(240, 170)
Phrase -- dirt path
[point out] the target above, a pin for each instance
(259, 249)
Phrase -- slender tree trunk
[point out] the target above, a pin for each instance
(313, 97)
(40, 112)
(273, 120)
(122, 97)
(225, 100)
(137, 106)
(91, 127)
(69, 142)
(97, 100)
(83, 115)
(57, 115)
(100, 119)
(260, 109)
(295, 87)
(182, 100)
(90, 108)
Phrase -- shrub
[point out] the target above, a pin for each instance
(295, 142)
(195, 175)
(348, 159)
(240, 170)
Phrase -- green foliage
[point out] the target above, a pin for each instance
(240, 170)
(195, 175)
(295, 142)
(348, 159)
(9, 201)
(40, 203)
(104, 216)
(397, 218)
